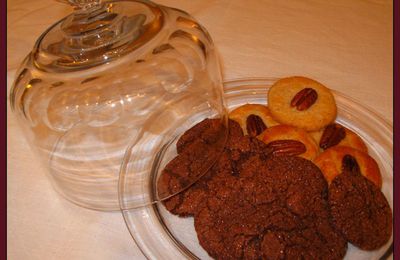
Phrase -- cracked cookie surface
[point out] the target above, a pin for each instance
(275, 208)
(253, 205)
(191, 200)
(359, 209)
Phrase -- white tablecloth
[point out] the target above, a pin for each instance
(347, 45)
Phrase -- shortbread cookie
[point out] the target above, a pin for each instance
(336, 134)
(253, 118)
(302, 102)
(286, 132)
(330, 163)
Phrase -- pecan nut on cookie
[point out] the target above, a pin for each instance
(336, 134)
(280, 135)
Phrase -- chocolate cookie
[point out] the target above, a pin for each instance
(252, 204)
(359, 209)
(274, 208)
(177, 172)
(207, 131)
(198, 149)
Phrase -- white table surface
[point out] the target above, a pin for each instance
(347, 45)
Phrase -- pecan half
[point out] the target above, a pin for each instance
(254, 125)
(287, 147)
(350, 164)
(331, 136)
(304, 99)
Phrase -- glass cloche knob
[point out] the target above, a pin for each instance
(96, 33)
(81, 4)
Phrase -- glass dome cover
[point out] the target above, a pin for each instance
(115, 75)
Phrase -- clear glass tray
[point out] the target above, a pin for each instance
(161, 235)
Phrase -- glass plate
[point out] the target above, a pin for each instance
(161, 235)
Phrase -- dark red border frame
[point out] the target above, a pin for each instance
(396, 124)
(3, 138)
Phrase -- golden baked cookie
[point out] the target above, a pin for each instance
(286, 132)
(302, 102)
(330, 163)
(336, 134)
(253, 118)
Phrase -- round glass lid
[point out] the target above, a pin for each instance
(114, 77)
